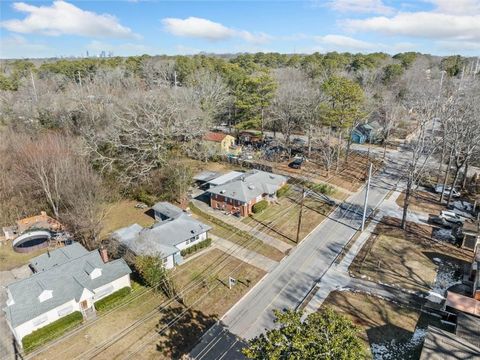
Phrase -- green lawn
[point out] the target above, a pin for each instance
(286, 228)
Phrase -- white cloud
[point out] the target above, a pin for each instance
(360, 6)
(64, 18)
(459, 7)
(16, 47)
(209, 30)
(431, 25)
(342, 42)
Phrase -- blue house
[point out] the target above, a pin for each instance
(366, 133)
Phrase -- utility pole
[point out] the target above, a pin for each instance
(366, 196)
(175, 79)
(300, 215)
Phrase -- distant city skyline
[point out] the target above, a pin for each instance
(37, 29)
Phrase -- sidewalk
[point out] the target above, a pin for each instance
(231, 220)
(245, 255)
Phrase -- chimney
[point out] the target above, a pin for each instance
(103, 254)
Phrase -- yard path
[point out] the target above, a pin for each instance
(7, 343)
(236, 222)
(243, 254)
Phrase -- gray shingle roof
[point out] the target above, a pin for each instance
(250, 185)
(162, 237)
(57, 257)
(206, 176)
(442, 345)
(66, 281)
(167, 209)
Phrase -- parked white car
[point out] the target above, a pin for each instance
(451, 217)
(439, 188)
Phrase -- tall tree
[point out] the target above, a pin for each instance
(323, 335)
(343, 109)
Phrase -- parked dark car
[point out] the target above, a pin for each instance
(296, 163)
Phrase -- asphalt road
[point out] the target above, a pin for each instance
(291, 280)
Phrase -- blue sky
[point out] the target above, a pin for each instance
(71, 28)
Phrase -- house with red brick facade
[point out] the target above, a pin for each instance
(239, 195)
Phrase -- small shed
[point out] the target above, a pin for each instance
(471, 235)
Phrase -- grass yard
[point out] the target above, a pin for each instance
(423, 201)
(154, 341)
(254, 244)
(286, 228)
(409, 259)
(10, 259)
(124, 213)
(388, 330)
(108, 325)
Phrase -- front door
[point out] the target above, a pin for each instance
(84, 305)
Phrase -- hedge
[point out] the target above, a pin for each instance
(51, 331)
(260, 206)
(108, 301)
(194, 248)
(283, 190)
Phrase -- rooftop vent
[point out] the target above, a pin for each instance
(251, 187)
(222, 191)
(272, 177)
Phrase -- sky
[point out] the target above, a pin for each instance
(37, 29)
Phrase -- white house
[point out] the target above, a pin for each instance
(174, 231)
(66, 280)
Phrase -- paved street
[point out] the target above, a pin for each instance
(292, 279)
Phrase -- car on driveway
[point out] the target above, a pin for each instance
(439, 188)
(296, 163)
(451, 217)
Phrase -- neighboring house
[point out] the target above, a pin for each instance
(240, 194)
(66, 280)
(443, 345)
(175, 231)
(370, 133)
(221, 143)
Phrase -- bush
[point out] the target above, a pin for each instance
(260, 206)
(51, 331)
(145, 198)
(321, 188)
(194, 248)
(283, 190)
(108, 301)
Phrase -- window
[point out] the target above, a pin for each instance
(104, 292)
(65, 311)
(40, 320)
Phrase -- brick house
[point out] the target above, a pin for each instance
(239, 195)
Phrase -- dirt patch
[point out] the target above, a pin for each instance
(388, 330)
(422, 201)
(407, 259)
(124, 213)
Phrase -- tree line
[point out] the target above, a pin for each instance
(77, 133)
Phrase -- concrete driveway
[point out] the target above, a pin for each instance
(8, 349)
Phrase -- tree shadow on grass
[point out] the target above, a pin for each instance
(182, 328)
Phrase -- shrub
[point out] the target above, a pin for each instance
(194, 248)
(260, 206)
(322, 188)
(51, 331)
(283, 190)
(108, 301)
(145, 197)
